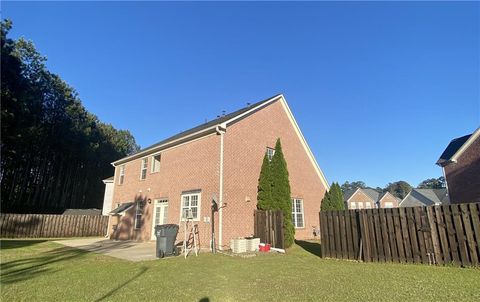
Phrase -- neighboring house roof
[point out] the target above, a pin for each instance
(82, 212)
(374, 195)
(425, 197)
(371, 193)
(122, 208)
(221, 123)
(456, 147)
(349, 193)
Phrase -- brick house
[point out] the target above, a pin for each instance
(460, 163)
(359, 198)
(221, 158)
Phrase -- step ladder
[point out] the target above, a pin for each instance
(190, 242)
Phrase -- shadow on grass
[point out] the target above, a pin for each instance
(310, 246)
(142, 271)
(28, 268)
(14, 244)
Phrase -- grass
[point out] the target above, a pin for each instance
(45, 271)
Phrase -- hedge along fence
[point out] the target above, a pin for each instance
(433, 235)
(51, 226)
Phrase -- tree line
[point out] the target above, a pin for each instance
(54, 153)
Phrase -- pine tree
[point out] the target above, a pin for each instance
(281, 192)
(264, 195)
(333, 199)
(326, 202)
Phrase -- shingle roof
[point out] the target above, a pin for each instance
(349, 193)
(82, 212)
(425, 197)
(201, 127)
(452, 148)
(372, 194)
(122, 208)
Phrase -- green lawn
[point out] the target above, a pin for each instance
(45, 271)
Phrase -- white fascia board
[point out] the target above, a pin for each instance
(465, 146)
(320, 174)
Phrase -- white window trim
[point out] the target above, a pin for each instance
(137, 207)
(199, 205)
(121, 173)
(156, 202)
(273, 152)
(295, 213)
(152, 171)
(144, 160)
(353, 205)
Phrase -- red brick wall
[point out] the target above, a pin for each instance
(463, 177)
(195, 165)
(190, 166)
(245, 145)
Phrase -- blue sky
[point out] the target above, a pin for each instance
(378, 88)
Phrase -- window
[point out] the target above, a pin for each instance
(191, 205)
(368, 205)
(297, 213)
(121, 178)
(156, 163)
(389, 204)
(143, 170)
(270, 153)
(360, 205)
(138, 214)
(353, 205)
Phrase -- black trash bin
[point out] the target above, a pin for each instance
(166, 235)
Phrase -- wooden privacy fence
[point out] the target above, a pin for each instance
(268, 227)
(433, 235)
(49, 226)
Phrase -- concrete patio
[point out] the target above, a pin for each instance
(127, 250)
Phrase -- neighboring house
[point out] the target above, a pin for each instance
(460, 163)
(359, 198)
(220, 159)
(425, 197)
(89, 212)
(108, 197)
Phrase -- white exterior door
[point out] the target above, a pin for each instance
(160, 214)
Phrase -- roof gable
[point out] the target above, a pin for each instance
(456, 147)
(223, 122)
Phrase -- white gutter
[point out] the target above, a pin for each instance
(220, 129)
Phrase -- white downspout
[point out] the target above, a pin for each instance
(446, 183)
(221, 129)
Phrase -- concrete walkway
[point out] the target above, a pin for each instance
(127, 250)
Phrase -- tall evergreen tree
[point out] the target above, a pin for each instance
(264, 193)
(281, 192)
(333, 199)
(54, 153)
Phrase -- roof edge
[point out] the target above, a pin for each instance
(195, 135)
(456, 155)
